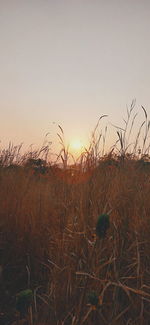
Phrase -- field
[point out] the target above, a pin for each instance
(50, 243)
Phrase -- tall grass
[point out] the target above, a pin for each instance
(48, 242)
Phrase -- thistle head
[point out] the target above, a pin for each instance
(93, 299)
(102, 225)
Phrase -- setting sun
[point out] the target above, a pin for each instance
(76, 145)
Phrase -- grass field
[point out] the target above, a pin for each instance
(49, 243)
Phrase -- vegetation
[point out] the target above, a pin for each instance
(75, 240)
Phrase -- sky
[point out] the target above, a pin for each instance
(68, 62)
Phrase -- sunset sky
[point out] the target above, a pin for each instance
(68, 62)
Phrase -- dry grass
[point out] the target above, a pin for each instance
(48, 217)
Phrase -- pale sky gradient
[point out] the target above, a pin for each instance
(68, 62)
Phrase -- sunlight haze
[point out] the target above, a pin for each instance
(69, 62)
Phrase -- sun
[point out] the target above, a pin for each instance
(76, 145)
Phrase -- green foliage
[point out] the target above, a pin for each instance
(102, 225)
(93, 298)
(23, 301)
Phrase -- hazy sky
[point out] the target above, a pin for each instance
(68, 62)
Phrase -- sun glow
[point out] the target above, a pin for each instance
(76, 146)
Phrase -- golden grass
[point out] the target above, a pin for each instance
(47, 239)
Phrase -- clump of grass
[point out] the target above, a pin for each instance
(140, 145)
